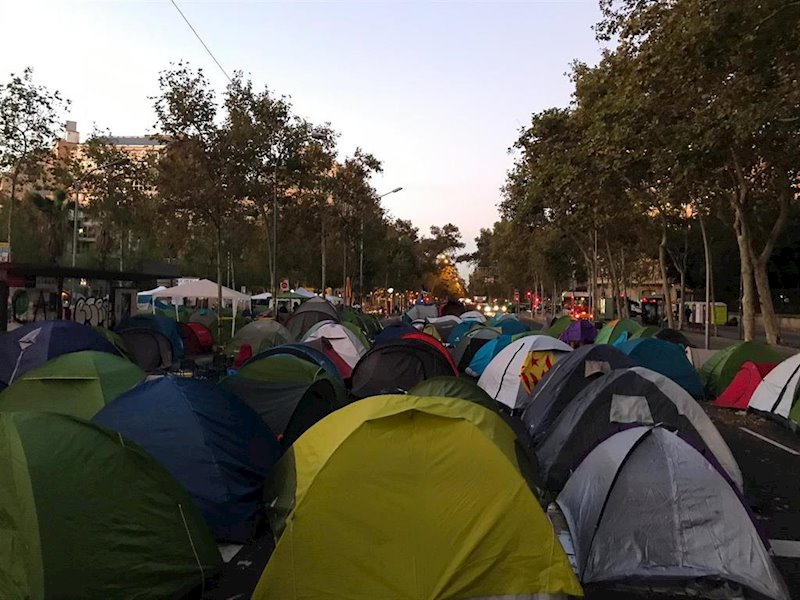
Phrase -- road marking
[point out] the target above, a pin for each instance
(785, 548)
(764, 438)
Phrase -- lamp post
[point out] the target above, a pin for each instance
(77, 185)
(361, 251)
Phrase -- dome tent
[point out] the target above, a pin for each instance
(778, 393)
(448, 386)
(637, 519)
(344, 342)
(514, 373)
(35, 343)
(616, 401)
(486, 353)
(738, 394)
(77, 384)
(666, 358)
(470, 344)
(495, 542)
(309, 313)
(170, 328)
(72, 494)
(567, 379)
(719, 370)
(151, 349)
(188, 426)
(259, 335)
(615, 329)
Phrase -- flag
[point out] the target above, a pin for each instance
(534, 367)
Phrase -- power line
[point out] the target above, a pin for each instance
(197, 35)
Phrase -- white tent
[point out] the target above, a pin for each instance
(262, 296)
(513, 373)
(203, 288)
(301, 291)
(473, 315)
(344, 342)
(151, 292)
(778, 392)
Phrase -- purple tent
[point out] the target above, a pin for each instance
(581, 332)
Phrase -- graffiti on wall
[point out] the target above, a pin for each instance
(91, 311)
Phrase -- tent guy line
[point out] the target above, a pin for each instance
(764, 438)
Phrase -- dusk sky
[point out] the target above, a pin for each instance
(437, 91)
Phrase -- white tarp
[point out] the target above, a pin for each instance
(203, 288)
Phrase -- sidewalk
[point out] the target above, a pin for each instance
(719, 342)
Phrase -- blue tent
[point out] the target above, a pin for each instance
(304, 351)
(394, 332)
(666, 358)
(212, 443)
(459, 330)
(164, 325)
(486, 353)
(511, 327)
(35, 343)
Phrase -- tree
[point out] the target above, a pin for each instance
(30, 118)
(53, 209)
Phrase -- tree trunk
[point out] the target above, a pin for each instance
(267, 239)
(322, 251)
(595, 296)
(748, 316)
(760, 267)
(665, 288)
(626, 312)
(11, 212)
(219, 284)
(614, 281)
(707, 254)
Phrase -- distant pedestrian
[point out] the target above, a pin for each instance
(687, 313)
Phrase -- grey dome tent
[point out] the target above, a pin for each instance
(309, 313)
(470, 343)
(647, 509)
(151, 349)
(566, 380)
(622, 398)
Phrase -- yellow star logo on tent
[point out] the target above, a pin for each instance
(534, 367)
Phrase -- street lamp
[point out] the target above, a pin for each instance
(361, 251)
(77, 185)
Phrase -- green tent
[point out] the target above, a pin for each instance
(447, 386)
(287, 368)
(559, 326)
(614, 329)
(718, 371)
(117, 341)
(646, 332)
(260, 335)
(78, 384)
(86, 514)
(358, 333)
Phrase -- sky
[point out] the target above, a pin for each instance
(436, 90)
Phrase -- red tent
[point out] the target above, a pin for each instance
(429, 339)
(197, 338)
(737, 395)
(326, 348)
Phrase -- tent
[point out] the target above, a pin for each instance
(614, 329)
(35, 343)
(346, 343)
(204, 288)
(718, 371)
(513, 374)
(737, 395)
(393, 331)
(197, 339)
(448, 386)
(566, 380)
(289, 394)
(625, 397)
(309, 313)
(301, 291)
(511, 326)
(212, 443)
(473, 315)
(470, 343)
(77, 384)
(86, 515)
(446, 325)
(151, 349)
(647, 331)
(452, 307)
(169, 328)
(398, 365)
(559, 326)
(486, 353)
(259, 335)
(430, 329)
(421, 311)
(674, 336)
(578, 332)
(639, 521)
(361, 326)
(433, 343)
(458, 331)
(491, 541)
(778, 393)
(204, 316)
(698, 356)
(116, 341)
(324, 346)
(666, 358)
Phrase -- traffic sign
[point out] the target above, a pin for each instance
(284, 285)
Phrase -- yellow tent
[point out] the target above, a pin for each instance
(432, 331)
(409, 497)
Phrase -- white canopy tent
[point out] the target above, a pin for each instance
(262, 296)
(203, 288)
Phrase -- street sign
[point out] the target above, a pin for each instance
(284, 285)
